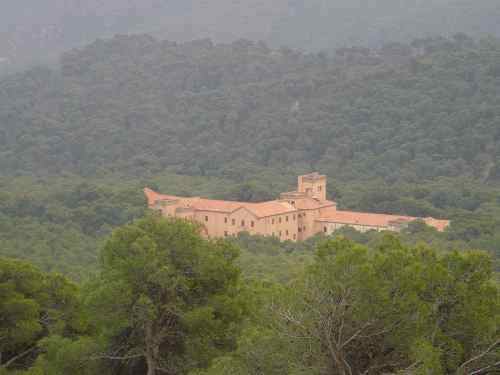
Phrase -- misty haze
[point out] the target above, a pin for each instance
(34, 31)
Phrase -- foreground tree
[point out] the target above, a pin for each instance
(392, 309)
(33, 305)
(166, 299)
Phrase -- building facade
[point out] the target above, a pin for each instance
(295, 216)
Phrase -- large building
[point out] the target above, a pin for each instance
(295, 216)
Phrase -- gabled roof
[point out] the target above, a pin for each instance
(270, 208)
(363, 218)
(153, 196)
(260, 210)
(312, 204)
(376, 220)
(203, 204)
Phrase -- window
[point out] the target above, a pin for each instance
(206, 218)
(325, 229)
(319, 188)
(293, 203)
(225, 233)
(252, 224)
(293, 217)
(234, 222)
(280, 233)
(286, 218)
(304, 214)
(279, 220)
(242, 223)
(300, 229)
(225, 220)
(272, 222)
(287, 233)
(294, 236)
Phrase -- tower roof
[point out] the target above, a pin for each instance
(314, 176)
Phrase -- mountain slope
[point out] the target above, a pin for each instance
(137, 105)
(411, 129)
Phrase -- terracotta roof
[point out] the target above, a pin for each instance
(377, 220)
(313, 176)
(185, 202)
(263, 209)
(153, 196)
(215, 205)
(270, 208)
(363, 218)
(312, 204)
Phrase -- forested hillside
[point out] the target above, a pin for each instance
(410, 129)
(405, 128)
(137, 105)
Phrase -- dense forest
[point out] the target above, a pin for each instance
(404, 113)
(91, 283)
(411, 129)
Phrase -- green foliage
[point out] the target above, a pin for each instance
(194, 107)
(165, 296)
(58, 223)
(385, 309)
(33, 305)
(167, 300)
(409, 129)
(67, 356)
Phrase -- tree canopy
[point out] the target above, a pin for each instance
(385, 309)
(166, 297)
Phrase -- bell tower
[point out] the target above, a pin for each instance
(313, 185)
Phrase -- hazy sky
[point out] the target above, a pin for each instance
(38, 29)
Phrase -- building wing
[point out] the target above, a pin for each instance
(374, 220)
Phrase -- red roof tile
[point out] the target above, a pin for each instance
(263, 209)
(312, 204)
(376, 220)
(270, 208)
(362, 218)
(153, 196)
